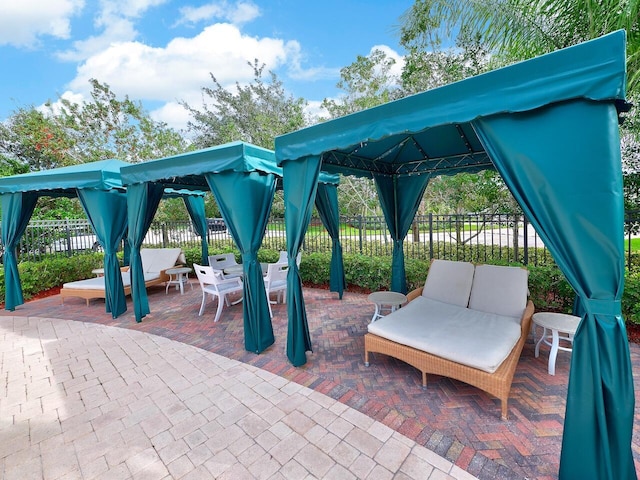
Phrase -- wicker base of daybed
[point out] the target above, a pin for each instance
(497, 383)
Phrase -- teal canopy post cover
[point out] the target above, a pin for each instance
(107, 213)
(550, 127)
(245, 200)
(16, 211)
(327, 205)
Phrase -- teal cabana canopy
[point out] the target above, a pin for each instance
(243, 179)
(549, 125)
(99, 188)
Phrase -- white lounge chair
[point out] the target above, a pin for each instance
(212, 282)
(155, 261)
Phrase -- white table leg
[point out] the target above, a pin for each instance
(544, 334)
(376, 314)
(555, 343)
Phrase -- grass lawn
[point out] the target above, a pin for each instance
(635, 244)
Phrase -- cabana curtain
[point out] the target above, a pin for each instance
(588, 248)
(142, 200)
(327, 205)
(300, 184)
(107, 213)
(245, 200)
(17, 209)
(195, 208)
(399, 198)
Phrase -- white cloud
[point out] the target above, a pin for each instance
(56, 106)
(117, 30)
(127, 8)
(238, 13)
(115, 21)
(396, 69)
(183, 65)
(173, 114)
(23, 22)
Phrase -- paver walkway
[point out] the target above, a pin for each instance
(456, 421)
(84, 401)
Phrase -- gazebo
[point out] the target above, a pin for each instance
(243, 179)
(549, 126)
(99, 188)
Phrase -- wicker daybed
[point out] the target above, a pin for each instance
(155, 261)
(468, 322)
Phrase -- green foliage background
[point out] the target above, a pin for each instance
(548, 288)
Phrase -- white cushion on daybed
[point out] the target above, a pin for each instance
(449, 282)
(97, 283)
(158, 259)
(436, 327)
(501, 290)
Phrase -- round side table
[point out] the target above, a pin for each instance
(556, 327)
(386, 301)
(178, 276)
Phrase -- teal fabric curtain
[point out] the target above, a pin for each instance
(16, 212)
(195, 207)
(327, 205)
(142, 203)
(400, 198)
(245, 200)
(300, 180)
(107, 213)
(562, 163)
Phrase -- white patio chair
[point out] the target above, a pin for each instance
(275, 281)
(284, 258)
(213, 283)
(223, 261)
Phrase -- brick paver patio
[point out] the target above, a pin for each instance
(456, 421)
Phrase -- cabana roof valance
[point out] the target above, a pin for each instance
(101, 175)
(431, 132)
(188, 170)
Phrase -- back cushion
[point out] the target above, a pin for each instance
(500, 290)
(155, 260)
(449, 282)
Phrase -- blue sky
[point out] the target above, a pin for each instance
(162, 51)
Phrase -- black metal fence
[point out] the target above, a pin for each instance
(472, 237)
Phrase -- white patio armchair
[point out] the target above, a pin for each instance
(212, 282)
(275, 281)
(223, 261)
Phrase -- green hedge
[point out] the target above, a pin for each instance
(548, 288)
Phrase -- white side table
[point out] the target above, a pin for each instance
(98, 272)
(178, 276)
(386, 301)
(556, 327)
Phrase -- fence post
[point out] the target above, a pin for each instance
(525, 230)
(628, 221)
(68, 232)
(430, 236)
(360, 231)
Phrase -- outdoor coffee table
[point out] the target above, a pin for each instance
(178, 276)
(388, 301)
(555, 324)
